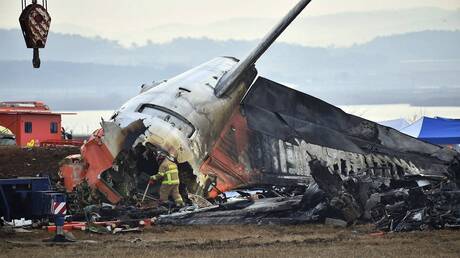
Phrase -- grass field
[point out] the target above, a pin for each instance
(241, 241)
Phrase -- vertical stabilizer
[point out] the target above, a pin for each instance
(234, 76)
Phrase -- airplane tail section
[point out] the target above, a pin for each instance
(233, 77)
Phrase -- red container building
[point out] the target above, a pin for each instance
(32, 122)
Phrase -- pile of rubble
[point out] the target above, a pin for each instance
(392, 203)
(413, 202)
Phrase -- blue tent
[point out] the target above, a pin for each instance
(435, 130)
(397, 124)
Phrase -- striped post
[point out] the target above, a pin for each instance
(59, 210)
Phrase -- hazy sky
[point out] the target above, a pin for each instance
(118, 19)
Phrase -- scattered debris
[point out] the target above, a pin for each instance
(127, 230)
(392, 203)
(377, 234)
(406, 203)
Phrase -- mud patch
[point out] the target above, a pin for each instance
(15, 161)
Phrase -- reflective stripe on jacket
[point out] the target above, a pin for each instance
(169, 174)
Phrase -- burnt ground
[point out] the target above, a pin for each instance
(240, 241)
(15, 161)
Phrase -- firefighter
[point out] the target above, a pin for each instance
(168, 175)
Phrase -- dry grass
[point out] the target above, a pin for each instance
(245, 241)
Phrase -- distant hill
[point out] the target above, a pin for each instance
(339, 29)
(420, 68)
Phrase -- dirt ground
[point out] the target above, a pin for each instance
(240, 241)
(15, 161)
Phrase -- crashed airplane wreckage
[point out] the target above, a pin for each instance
(229, 128)
(410, 202)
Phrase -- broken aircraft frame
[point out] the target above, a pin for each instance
(235, 129)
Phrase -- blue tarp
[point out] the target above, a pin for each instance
(435, 130)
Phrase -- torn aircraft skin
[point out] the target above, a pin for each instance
(235, 129)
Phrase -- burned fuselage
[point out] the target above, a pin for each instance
(265, 138)
(233, 129)
(276, 131)
(181, 115)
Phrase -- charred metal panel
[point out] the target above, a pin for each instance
(270, 142)
(228, 160)
(243, 157)
(277, 158)
(348, 142)
(287, 128)
(228, 144)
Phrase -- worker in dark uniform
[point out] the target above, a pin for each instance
(168, 175)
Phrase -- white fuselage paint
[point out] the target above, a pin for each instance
(191, 95)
